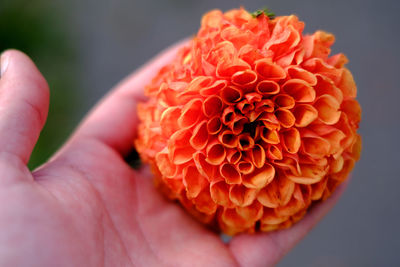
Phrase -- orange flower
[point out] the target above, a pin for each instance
(251, 123)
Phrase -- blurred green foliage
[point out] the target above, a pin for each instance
(37, 28)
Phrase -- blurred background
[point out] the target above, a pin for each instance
(84, 48)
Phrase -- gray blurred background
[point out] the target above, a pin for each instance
(84, 48)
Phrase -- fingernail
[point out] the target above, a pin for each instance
(3, 64)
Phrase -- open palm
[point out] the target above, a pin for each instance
(86, 206)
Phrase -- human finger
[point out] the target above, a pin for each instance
(24, 102)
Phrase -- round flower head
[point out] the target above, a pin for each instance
(251, 123)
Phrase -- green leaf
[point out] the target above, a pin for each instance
(266, 11)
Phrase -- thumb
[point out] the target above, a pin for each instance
(24, 101)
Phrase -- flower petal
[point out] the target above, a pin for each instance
(245, 142)
(230, 173)
(228, 115)
(285, 117)
(190, 114)
(214, 125)
(267, 88)
(233, 156)
(257, 155)
(169, 120)
(252, 212)
(193, 181)
(309, 174)
(284, 101)
(242, 196)
(199, 138)
(347, 84)
(274, 152)
(328, 109)
(268, 70)
(165, 166)
(269, 136)
(353, 110)
(291, 140)
(225, 69)
(244, 79)
(204, 168)
(214, 88)
(228, 139)
(315, 146)
(304, 114)
(220, 194)
(296, 72)
(204, 202)
(212, 106)
(260, 177)
(300, 90)
(245, 167)
(215, 153)
(231, 94)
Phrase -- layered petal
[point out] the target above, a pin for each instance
(251, 123)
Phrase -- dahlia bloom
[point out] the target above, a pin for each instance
(251, 123)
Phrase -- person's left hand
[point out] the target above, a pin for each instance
(86, 206)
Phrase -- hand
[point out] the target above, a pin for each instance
(86, 206)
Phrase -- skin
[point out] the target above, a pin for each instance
(86, 206)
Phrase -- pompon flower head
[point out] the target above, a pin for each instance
(251, 123)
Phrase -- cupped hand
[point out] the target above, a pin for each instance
(86, 206)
